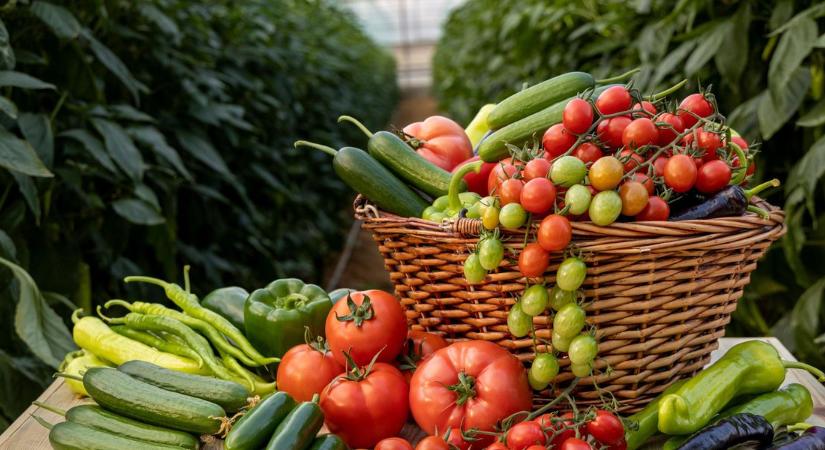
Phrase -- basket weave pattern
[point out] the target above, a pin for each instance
(658, 293)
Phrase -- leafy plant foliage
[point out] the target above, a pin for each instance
(766, 64)
(136, 136)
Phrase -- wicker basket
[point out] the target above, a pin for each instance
(659, 293)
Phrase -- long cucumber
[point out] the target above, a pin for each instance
(537, 97)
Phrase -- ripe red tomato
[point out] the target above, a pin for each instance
(659, 165)
(536, 447)
(417, 346)
(379, 397)
(557, 140)
(606, 427)
(473, 384)
(433, 443)
(709, 142)
(575, 444)
(666, 133)
(503, 170)
(614, 99)
(610, 131)
(577, 116)
(510, 191)
(680, 173)
(644, 106)
(712, 177)
(477, 182)
(640, 132)
(394, 443)
(538, 196)
(536, 168)
(524, 434)
(588, 152)
(305, 370)
(374, 322)
(533, 260)
(497, 446)
(645, 180)
(554, 233)
(631, 159)
(634, 197)
(656, 209)
(696, 104)
(546, 422)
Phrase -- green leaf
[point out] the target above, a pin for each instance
(202, 150)
(137, 211)
(814, 117)
(820, 42)
(708, 46)
(732, 60)
(146, 194)
(120, 148)
(812, 12)
(93, 146)
(112, 62)
(37, 129)
(7, 59)
(29, 192)
(782, 11)
(127, 112)
(773, 113)
(22, 80)
(61, 21)
(8, 108)
(161, 20)
(36, 322)
(805, 318)
(670, 62)
(744, 118)
(794, 46)
(152, 138)
(16, 154)
(808, 170)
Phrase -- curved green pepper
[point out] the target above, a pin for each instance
(645, 421)
(448, 206)
(276, 317)
(228, 302)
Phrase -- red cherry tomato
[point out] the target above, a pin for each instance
(741, 142)
(306, 370)
(659, 165)
(709, 142)
(433, 443)
(645, 180)
(631, 159)
(456, 440)
(557, 140)
(477, 182)
(646, 106)
(610, 131)
(533, 260)
(712, 177)
(497, 446)
(510, 191)
(554, 233)
(621, 445)
(577, 116)
(666, 133)
(546, 422)
(419, 345)
(605, 428)
(614, 99)
(696, 104)
(575, 444)
(538, 195)
(680, 173)
(525, 434)
(394, 443)
(640, 132)
(503, 170)
(536, 168)
(656, 209)
(588, 152)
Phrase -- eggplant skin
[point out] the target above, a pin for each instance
(726, 433)
(728, 202)
(812, 439)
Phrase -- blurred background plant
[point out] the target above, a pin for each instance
(765, 62)
(138, 136)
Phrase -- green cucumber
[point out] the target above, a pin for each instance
(298, 429)
(228, 394)
(256, 426)
(537, 97)
(122, 394)
(74, 436)
(405, 162)
(328, 442)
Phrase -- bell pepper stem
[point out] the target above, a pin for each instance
(357, 123)
(668, 91)
(744, 162)
(43, 422)
(761, 187)
(47, 407)
(618, 78)
(324, 148)
(820, 376)
(455, 183)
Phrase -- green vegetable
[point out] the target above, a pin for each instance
(568, 171)
(539, 96)
(76, 363)
(644, 423)
(74, 436)
(752, 367)
(787, 406)
(158, 343)
(366, 175)
(298, 429)
(276, 316)
(478, 127)
(447, 207)
(328, 442)
(228, 302)
(257, 425)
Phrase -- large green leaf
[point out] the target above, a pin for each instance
(61, 21)
(814, 117)
(794, 46)
(37, 129)
(807, 172)
(820, 41)
(7, 59)
(152, 138)
(671, 61)
(161, 20)
(709, 44)
(29, 191)
(115, 65)
(734, 58)
(22, 80)
(805, 319)
(203, 151)
(774, 112)
(120, 147)
(813, 12)
(8, 108)
(93, 146)
(16, 154)
(137, 211)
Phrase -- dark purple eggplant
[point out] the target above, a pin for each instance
(731, 201)
(812, 439)
(726, 433)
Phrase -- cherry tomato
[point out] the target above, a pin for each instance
(433, 443)
(709, 142)
(538, 196)
(379, 326)
(645, 180)
(671, 127)
(455, 439)
(512, 215)
(533, 260)
(605, 208)
(536, 168)
(751, 165)
(473, 272)
(490, 253)
(575, 444)
(547, 423)
(534, 300)
(525, 434)
(583, 349)
(680, 173)
(305, 370)
(544, 369)
(518, 322)
(419, 345)
(634, 197)
(605, 428)
(588, 152)
(554, 233)
(659, 165)
(614, 99)
(644, 106)
(656, 209)
(621, 445)
(696, 104)
(640, 132)
(577, 198)
(557, 140)
(567, 171)
(394, 443)
(577, 116)
(536, 447)
(559, 297)
(571, 273)
(504, 170)
(631, 159)
(497, 446)
(561, 343)
(712, 177)
(510, 191)
(610, 131)
(606, 173)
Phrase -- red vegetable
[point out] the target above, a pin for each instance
(605, 427)
(614, 99)
(394, 443)
(577, 116)
(680, 173)
(533, 260)
(588, 152)
(557, 140)
(525, 434)
(696, 104)
(538, 196)
(440, 141)
(610, 131)
(640, 132)
(656, 209)
(712, 177)
(477, 182)
(305, 370)
(671, 127)
(419, 345)
(554, 233)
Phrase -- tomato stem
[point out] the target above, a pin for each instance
(464, 389)
(358, 313)
(357, 123)
(76, 315)
(555, 401)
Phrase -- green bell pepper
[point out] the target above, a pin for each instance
(276, 316)
(448, 206)
(228, 302)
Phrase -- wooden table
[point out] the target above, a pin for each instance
(26, 434)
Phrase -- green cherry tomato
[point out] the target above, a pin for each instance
(571, 273)
(582, 370)
(605, 208)
(490, 253)
(569, 321)
(583, 349)
(560, 343)
(578, 199)
(534, 300)
(518, 322)
(535, 383)
(489, 218)
(559, 297)
(473, 272)
(567, 171)
(545, 367)
(512, 215)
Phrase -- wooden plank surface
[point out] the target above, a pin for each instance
(26, 434)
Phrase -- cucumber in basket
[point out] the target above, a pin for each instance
(364, 174)
(537, 97)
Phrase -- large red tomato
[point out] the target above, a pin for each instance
(471, 384)
(376, 396)
(367, 323)
(419, 345)
(440, 141)
(306, 370)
